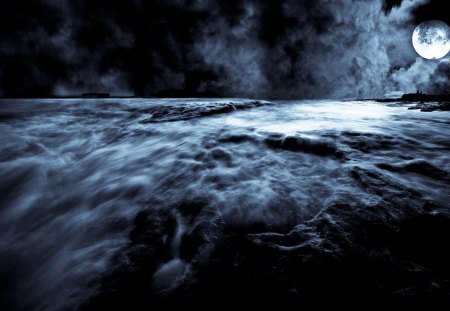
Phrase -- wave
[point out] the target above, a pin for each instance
(114, 204)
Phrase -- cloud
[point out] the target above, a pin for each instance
(336, 49)
(247, 48)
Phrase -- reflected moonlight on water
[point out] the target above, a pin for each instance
(431, 39)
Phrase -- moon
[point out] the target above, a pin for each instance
(431, 39)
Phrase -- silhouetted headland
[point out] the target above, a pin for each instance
(417, 97)
(420, 97)
(425, 102)
(95, 95)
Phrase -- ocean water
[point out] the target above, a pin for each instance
(135, 202)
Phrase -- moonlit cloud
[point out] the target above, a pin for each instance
(248, 48)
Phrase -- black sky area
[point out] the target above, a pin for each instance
(237, 48)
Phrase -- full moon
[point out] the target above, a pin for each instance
(431, 39)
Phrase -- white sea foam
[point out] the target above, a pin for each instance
(74, 174)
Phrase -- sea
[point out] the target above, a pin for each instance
(137, 203)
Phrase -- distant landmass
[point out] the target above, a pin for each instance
(180, 93)
(418, 97)
(95, 95)
(425, 102)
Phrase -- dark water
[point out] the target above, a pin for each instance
(114, 203)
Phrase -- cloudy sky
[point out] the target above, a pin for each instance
(239, 48)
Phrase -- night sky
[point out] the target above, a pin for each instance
(236, 48)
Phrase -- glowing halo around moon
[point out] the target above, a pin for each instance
(431, 39)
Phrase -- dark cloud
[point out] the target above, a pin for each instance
(389, 4)
(248, 48)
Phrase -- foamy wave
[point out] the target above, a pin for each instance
(114, 204)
